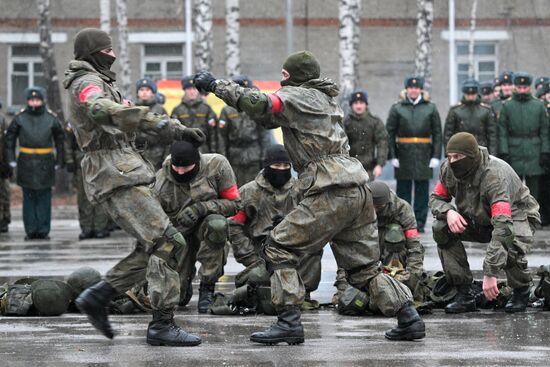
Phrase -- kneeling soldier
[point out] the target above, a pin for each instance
(492, 205)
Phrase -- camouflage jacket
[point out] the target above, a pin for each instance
(215, 186)
(3, 129)
(196, 113)
(241, 139)
(311, 121)
(73, 154)
(475, 118)
(480, 199)
(368, 139)
(400, 212)
(105, 130)
(151, 147)
(34, 130)
(260, 203)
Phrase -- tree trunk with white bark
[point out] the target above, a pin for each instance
(232, 43)
(124, 78)
(203, 34)
(349, 14)
(105, 15)
(423, 59)
(471, 44)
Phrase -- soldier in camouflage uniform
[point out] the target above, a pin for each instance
(472, 116)
(368, 138)
(265, 201)
(198, 191)
(491, 205)
(242, 140)
(153, 150)
(5, 173)
(40, 135)
(92, 218)
(116, 176)
(194, 112)
(505, 89)
(334, 186)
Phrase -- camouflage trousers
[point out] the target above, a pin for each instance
(207, 245)
(5, 215)
(345, 218)
(454, 259)
(92, 217)
(138, 212)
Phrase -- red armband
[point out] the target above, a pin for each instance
(441, 190)
(231, 193)
(413, 232)
(87, 92)
(240, 217)
(501, 208)
(276, 103)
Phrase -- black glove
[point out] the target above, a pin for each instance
(191, 215)
(205, 81)
(545, 161)
(505, 157)
(71, 167)
(193, 135)
(5, 171)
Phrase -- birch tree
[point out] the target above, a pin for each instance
(471, 44)
(124, 79)
(423, 59)
(232, 44)
(203, 34)
(105, 15)
(349, 13)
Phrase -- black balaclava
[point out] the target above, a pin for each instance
(183, 154)
(276, 177)
(464, 143)
(88, 44)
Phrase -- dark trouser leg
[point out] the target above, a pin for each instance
(533, 183)
(421, 196)
(545, 200)
(85, 208)
(44, 211)
(29, 212)
(5, 215)
(403, 190)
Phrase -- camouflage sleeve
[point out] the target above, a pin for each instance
(229, 199)
(491, 132)
(502, 131)
(243, 248)
(440, 198)
(69, 145)
(392, 125)
(437, 136)
(11, 139)
(451, 126)
(210, 129)
(544, 138)
(495, 190)
(381, 137)
(415, 250)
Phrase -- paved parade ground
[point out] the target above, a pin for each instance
(484, 338)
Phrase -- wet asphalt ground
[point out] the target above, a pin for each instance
(484, 338)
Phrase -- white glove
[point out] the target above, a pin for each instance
(395, 162)
(13, 164)
(434, 163)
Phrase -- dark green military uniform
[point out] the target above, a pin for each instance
(505, 78)
(40, 150)
(196, 113)
(214, 190)
(262, 202)
(92, 218)
(523, 138)
(499, 210)
(368, 140)
(245, 142)
(475, 118)
(5, 214)
(414, 133)
(545, 178)
(116, 176)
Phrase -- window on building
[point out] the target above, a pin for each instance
(485, 62)
(163, 61)
(25, 69)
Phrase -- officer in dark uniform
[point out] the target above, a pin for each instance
(505, 81)
(486, 92)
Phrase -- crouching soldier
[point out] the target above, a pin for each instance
(265, 202)
(492, 205)
(198, 191)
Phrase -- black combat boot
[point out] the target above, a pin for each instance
(519, 300)
(102, 234)
(164, 331)
(94, 303)
(288, 329)
(84, 235)
(464, 300)
(206, 297)
(409, 325)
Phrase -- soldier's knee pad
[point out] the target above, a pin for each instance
(441, 234)
(216, 230)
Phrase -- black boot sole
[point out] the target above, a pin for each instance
(106, 331)
(163, 343)
(292, 340)
(415, 335)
